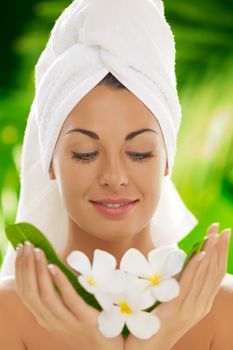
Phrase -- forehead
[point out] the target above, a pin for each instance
(107, 108)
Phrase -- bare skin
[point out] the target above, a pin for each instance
(111, 174)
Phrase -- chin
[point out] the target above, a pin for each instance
(108, 237)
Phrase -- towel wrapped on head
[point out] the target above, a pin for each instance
(132, 40)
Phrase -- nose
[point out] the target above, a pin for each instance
(113, 174)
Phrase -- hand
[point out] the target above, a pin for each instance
(199, 283)
(67, 315)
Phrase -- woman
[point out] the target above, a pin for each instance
(133, 167)
(47, 321)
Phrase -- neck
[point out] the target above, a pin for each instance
(87, 243)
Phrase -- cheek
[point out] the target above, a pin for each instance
(150, 181)
(74, 182)
(151, 173)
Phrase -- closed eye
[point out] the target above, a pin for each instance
(88, 157)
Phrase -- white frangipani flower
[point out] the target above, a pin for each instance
(101, 277)
(155, 273)
(126, 308)
(137, 285)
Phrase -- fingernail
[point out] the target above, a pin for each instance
(37, 254)
(19, 249)
(228, 233)
(27, 249)
(52, 269)
(201, 255)
(214, 226)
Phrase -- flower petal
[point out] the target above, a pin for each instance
(148, 299)
(143, 324)
(115, 297)
(135, 288)
(111, 323)
(174, 263)
(103, 263)
(158, 256)
(132, 293)
(115, 282)
(104, 300)
(167, 289)
(79, 262)
(134, 262)
(83, 281)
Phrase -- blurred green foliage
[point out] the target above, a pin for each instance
(203, 171)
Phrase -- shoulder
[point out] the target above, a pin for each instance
(10, 315)
(17, 323)
(7, 293)
(10, 301)
(222, 315)
(223, 303)
(8, 296)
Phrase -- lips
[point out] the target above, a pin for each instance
(114, 201)
(116, 212)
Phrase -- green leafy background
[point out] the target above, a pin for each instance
(203, 169)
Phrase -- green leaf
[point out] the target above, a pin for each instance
(125, 332)
(21, 232)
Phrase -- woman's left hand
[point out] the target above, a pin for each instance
(67, 315)
(200, 282)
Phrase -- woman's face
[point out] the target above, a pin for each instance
(113, 169)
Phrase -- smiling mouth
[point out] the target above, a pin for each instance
(114, 205)
(115, 210)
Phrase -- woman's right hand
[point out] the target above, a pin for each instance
(199, 282)
(65, 314)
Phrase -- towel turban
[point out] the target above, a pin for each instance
(132, 40)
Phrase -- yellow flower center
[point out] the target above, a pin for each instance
(154, 279)
(124, 307)
(91, 281)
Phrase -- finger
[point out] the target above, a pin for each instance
(18, 270)
(31, 295)
(210, 274)
(29, 268)
(222, 255)
(73, 301)
(213, 228)
(200, 276)
(189, 281)
(210, 283)
(20, 285)
(222, 247)
(186, 279)
(56, 311)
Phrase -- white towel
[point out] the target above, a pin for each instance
(132, 40)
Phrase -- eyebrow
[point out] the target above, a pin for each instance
(95, 136)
